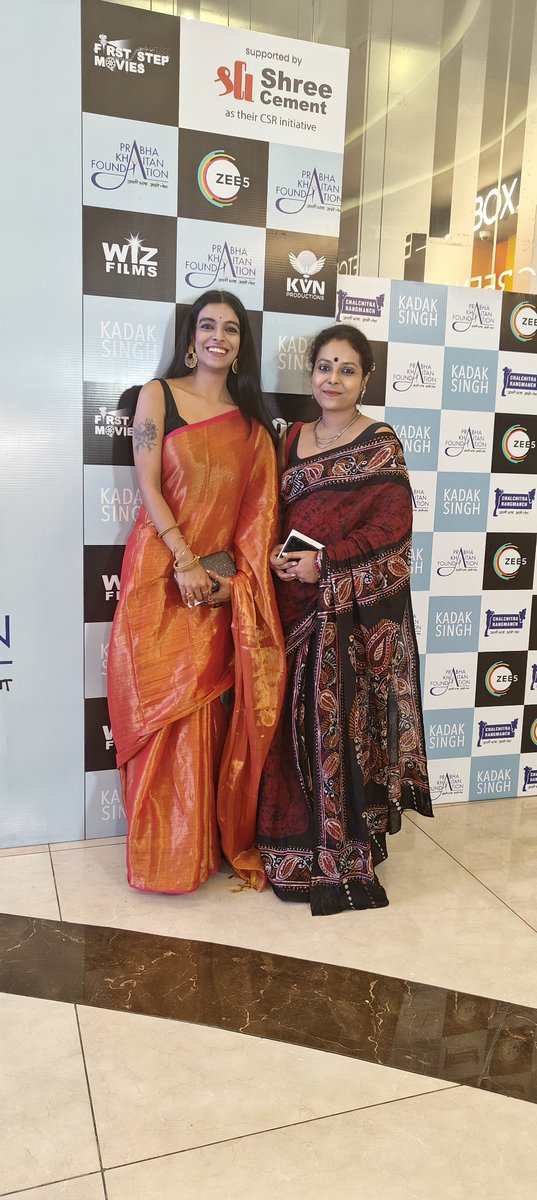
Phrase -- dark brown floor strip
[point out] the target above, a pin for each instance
(473, 1040)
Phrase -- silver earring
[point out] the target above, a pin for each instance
(191, 359)
(235, 366)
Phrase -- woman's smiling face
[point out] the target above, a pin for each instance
(217, 339)
(337, 378)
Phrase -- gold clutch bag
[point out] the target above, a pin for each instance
(221, 562)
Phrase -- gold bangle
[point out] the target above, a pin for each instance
(187, 550)
(164, 531)
(189, 566)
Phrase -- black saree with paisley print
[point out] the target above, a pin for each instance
(349, 752)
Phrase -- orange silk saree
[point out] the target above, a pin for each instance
(190, 775)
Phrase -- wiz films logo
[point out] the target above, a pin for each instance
(523, 321)
(112, 423)
(118, 55)
(507, 561)
(219, 180)
(516, 444)
(133, 164)
(111, 587)
(132, 258)
(5, 641)
(314, 189)
(306, 264)
(227, 263)
(417, 375)
(476, 316)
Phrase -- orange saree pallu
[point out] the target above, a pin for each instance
(189, 776)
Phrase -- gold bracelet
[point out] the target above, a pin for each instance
(164, 531)
(187, 550)
(189, 566)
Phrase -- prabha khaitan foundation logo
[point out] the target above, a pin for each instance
(314, 189)
(225, 262)
(133, 164)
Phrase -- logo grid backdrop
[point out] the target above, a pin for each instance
(451, 376)
(198, 172)
(460, 388)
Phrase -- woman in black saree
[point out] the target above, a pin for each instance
(349, 755)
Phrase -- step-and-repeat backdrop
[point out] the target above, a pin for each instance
(213, 157)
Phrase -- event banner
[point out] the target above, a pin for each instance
(212, 157)
(456, 377)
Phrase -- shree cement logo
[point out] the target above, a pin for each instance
(276, 88)
(219, 179)
(516, 444)
(523, 321)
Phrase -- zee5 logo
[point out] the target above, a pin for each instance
(508, 560)
(523, 321)
(498, 679)
(516, 444)
(219, 179)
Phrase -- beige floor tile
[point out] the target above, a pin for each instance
(88, 843)
(453, 1145)
(184, 1085)
(442, 926)
(27, 886)
(46, 1127)
(496, 841)
(9, 851)
(90, 1187)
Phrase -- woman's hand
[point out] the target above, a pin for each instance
(223, 595)
(193, 585)
(300, 564)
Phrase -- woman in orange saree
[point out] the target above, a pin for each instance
(182, 636)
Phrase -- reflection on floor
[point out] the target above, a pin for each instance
(157, 1047)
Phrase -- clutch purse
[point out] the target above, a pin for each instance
(221, 562)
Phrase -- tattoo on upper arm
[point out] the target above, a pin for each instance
(145, 435)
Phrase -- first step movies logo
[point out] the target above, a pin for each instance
(130, 63)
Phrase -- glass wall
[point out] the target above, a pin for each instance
(440, 180)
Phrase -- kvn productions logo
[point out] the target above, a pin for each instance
(475, 316)
(225, 262)
(302, 285)
(135, 164)
(132, 258)
(516, 444)
(523, 321)
(219, 179)
(112, 422)
(314, 189)
(5, 647)
(119, 55)
(417, 375)
(276, 89)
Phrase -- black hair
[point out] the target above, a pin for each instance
(245, 386)
(343, 333)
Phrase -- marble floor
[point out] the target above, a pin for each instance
(184, 1048)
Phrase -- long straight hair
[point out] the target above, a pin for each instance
(245, 386)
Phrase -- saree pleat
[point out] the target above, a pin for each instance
(186, 787)
(349, 752)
